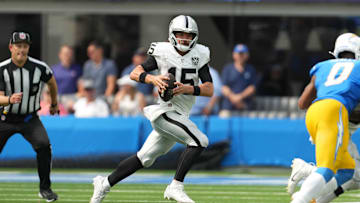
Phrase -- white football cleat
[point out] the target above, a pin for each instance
(300, 170)
(100, 189)
(177, 193)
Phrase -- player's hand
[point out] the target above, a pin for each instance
(54, 109)
(241, 105)
(181, 89)
(237, 98)
(237, 101)
(16, 98)
(226, 91)
(206, 110)
(158, 81)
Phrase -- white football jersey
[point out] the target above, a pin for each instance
(185, 69)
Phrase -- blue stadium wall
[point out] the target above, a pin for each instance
(254, 142)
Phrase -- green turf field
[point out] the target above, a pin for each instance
(12, 192)
(27, 192)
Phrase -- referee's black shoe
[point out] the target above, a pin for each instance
(48, 195)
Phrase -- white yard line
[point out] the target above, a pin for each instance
(74, 200)
(151, 191)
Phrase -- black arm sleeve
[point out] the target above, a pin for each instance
(204, 74)
(2, 81)
(150, 64)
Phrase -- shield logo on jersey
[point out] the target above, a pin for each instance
(195, 60)
(35, 88)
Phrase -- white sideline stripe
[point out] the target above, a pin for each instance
(197, 179)
(122, 187)
(149, 191)
(73, 200)
(157, 191)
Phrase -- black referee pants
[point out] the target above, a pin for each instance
(34, 132)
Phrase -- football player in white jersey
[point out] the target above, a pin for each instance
(188, 62)
(302, 169)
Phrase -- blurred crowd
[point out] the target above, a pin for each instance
(99, 88)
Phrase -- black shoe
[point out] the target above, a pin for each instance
(48, 195)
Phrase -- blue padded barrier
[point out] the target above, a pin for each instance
(356, 138)
(268, 142)
(200, 122)
(146, 130)
(235, 156)
(275, 142)
(72, 137)
(116, 135)
(218, 129)
(253, 141)
(17, 148)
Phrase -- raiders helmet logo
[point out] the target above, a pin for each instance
(195, 60)
(22, 35)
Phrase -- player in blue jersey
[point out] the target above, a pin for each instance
(331, 95)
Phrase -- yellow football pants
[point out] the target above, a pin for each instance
(328, 125)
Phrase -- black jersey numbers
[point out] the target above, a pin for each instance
(151, 49)
(184, 73)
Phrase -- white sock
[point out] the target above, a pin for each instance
(330, 187)
(106, 183)
(313, 169)
(350, 185)
(175, 183)
(311, 188)
(326, 198)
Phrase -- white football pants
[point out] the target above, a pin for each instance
(169, 128)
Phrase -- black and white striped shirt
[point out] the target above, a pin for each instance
(28, 79)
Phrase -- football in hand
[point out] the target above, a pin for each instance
(167, 94)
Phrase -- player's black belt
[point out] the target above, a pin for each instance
(15, 118)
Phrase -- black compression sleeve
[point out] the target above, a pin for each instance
(204, 74)
(124, 169)
(150, 64)
(186, 160)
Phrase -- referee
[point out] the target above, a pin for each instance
(21, 81)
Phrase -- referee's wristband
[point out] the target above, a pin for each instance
(142, 77)
(196, 90)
